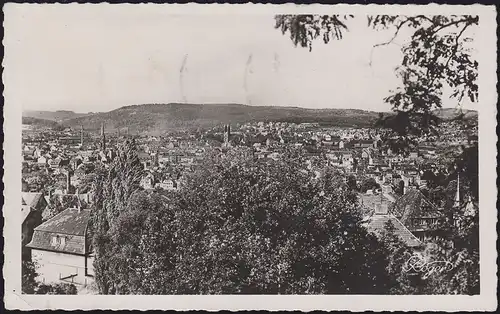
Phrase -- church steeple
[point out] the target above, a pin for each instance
(457, 194)
(103, 138)
(227, 134)
(81, 136)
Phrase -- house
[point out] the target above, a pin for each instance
(60, 246)
(42, 160)
(186, 160)
(54, 163)
(378, 222)
(145, 159)
(413, 155)
(29, 153)
(32, 207)
(347, 159)
(148, 182)
(418, 214)
(87, 156)
(168, 184)
(367, 143)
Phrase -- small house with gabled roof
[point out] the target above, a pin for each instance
(380, 217)
(61, 248)
(418, 214)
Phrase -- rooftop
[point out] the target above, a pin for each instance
(71, 221)
(63, 233)
(414, 204)
(31, 198)
(377, 225)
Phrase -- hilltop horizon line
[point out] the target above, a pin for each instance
(219, 104)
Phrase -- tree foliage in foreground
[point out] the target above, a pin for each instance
(112, 190)
(240, 226)
(437, 54)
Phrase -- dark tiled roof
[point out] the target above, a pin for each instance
(70, 221)
(377, 225)
(43, 240)
(69, 226)
(414, 205)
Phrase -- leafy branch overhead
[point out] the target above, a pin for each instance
(304, 29)
(437, 53)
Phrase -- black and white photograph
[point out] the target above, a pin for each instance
(160, 150)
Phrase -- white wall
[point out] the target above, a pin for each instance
(52, 266)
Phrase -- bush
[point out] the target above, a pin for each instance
(59, 288)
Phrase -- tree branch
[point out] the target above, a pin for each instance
(398, 28)
(455, 47)
(467, 21)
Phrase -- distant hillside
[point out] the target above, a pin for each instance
(452, 113)
(41, 123)
(163, 117)
(59, 115)
(160, 117)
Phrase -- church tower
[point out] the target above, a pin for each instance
(227, 134)
(103, 138)
(81, 136)
(457, 195)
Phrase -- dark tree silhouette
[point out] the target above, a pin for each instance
(437, 54)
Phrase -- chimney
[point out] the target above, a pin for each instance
(79, 203)
(381, 209)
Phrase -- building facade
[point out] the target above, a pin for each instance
(60, 247)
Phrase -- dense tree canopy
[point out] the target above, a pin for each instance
(241, 226)
(112, 189)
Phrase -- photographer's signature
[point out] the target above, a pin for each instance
(417, 264)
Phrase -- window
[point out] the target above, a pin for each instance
(54, 240)
(58, 241)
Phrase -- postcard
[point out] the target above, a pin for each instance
(250, 157)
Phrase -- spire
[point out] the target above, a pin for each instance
(227, 134)
(81, 135)
(457, 195)
(103, 138)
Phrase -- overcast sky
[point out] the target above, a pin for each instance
(99, 58)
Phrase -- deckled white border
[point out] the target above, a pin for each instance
(487, 189)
